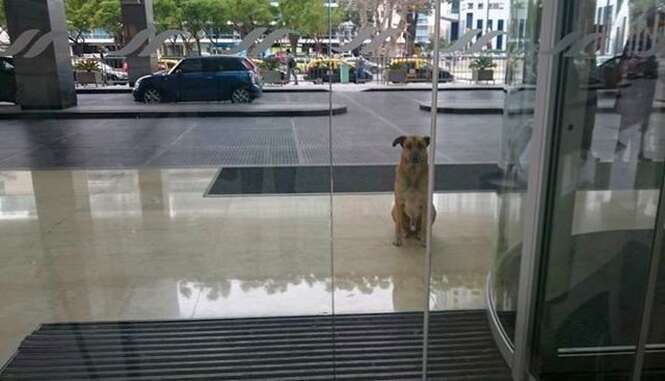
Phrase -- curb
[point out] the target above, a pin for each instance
(129, 91)
(500, 110)
(425, 89)
(463, 110)
(145, 114)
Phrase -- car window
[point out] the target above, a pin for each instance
(190, 66)
(212, 66)
(232, 64)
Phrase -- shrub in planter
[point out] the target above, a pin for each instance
(270, 72)
(397, 72)
(482, 68)
(88, 72)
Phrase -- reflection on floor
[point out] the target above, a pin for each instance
(128, 244)
(135, 245)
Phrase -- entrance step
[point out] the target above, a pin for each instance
(342, 347)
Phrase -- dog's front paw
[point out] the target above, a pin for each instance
(397, 242)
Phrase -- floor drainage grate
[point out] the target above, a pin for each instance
(365, 347)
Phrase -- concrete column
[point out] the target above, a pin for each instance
(137, 15)
(45, 81)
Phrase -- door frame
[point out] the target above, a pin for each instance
(539, 186)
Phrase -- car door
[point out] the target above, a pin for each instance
(193, 83)
(230, 77)
(212, 68)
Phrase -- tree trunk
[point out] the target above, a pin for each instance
(293, 39)
(411, 33)
(198, 44)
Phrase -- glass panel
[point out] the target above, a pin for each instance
(515, 138)
(654, 360)
(654, 364)
(468, 139)
(606, 176)
(139, 192)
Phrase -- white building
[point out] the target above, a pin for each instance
(612, 19)
(485, 15)
(459, 16)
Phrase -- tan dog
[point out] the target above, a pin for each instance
(411, 183)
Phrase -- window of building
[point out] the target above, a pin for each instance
(454, 31)
(455, 6)
(499, 38)
(481, 5)
(469, 6)
(469, 20)
(479, 24)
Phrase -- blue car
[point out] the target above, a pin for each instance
(217, 78)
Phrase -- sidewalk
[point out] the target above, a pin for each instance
(307, 86)
(204, 110)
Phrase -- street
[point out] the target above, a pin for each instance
(362, 136)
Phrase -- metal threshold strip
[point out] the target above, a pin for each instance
(343, 347)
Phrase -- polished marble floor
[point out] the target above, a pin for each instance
(145, 244)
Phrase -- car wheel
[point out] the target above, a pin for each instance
(152, 95)
(241, 96)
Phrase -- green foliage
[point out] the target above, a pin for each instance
(108, 17)
(482, 63)
(200, 17)
(310, 17)
(270, 64)
(80, 17)
(86, 65)
(246, 15)
(168, 14)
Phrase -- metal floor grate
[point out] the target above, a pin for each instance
(365, 347)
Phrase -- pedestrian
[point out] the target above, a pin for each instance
(291, 66)
(360, 69)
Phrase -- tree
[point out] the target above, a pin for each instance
(168, 16)
(385, 14)
(246, 15)
(196, 18)
(309, 17)
(79, 20)
(109, 18)
(219, 20)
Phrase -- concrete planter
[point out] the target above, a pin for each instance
(273, 77)
(88, 77)
(396, 76)
(483, 75)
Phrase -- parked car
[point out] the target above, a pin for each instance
(7, 80)
(214, 78)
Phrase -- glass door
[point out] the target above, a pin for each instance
(192, 215)
(594, 201)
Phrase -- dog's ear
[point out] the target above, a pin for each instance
(427, 140)
(399, 141)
